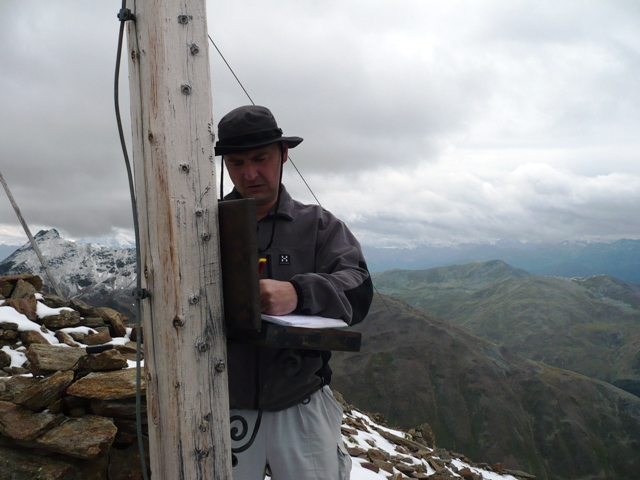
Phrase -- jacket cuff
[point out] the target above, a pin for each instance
(298, 290)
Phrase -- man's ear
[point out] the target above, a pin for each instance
(285, 152)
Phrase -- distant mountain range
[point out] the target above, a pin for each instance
(588, 325)
(487, 401)
(619, 259)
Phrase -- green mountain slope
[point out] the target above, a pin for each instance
(486, 401)
(587, 325)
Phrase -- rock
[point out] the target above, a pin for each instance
(356, 451)
(65, 338)
(125, 464)
(497, 467)
(86, 437)
(50, 358)
(99, 338)
(375, 454)
(127, 430)
(467, 474)
(8, 325)
(370, 442)
(23, 465)
(5, 288)
(386, 466)
(27, 306)
(404, 468)
(103, 361)
(23, 290)
(84, 308)
(121, 408)
(78, 336)
(113, 318)
(65, 319)
(93, 322)
(15, 370)
(22, 424)
(370, 466)
(11, 388)
(348, 430)
(422, 475)
(5, 359)
(34, 280)
(31, 337)
(436, 466)
(10, 334)
(54, 301)
(427, 434)
(107, 386)
(44, 392)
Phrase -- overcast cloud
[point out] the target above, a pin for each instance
(423, 121)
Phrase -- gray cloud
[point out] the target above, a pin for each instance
(423, 121)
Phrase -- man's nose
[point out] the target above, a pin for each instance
(250, 172)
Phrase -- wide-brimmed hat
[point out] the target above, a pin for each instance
(248, 128)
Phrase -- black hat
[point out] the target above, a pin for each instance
(248, 128)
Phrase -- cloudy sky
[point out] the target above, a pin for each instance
(424, 121)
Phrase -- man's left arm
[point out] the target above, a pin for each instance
(341, 286)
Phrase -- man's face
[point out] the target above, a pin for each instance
(256, 173)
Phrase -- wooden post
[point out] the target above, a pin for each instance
(185, 349)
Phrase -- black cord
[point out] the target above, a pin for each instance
(124, 15)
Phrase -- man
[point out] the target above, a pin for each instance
(314, 266)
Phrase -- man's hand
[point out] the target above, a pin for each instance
(277, 298)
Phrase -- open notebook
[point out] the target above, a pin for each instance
(305, 321)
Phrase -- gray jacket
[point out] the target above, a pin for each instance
(322, 259)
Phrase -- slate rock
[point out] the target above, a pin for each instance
(86, 437)
(125, 408)
(23, 290)
(386, 466)
(67, 339)
(99, 338)
(113, 318)
(370, 466)
(107, 385)
(54, 301)
(32, 337)
(8, 325)
(27, 306)
(22, 424)
(24, 465)
(15, 370)
(125, 463)
(5, 359)
(45, 392)
(34, 280)
(84, 308)
(65, 319)
(5, 288)
(103, 361)
(11, 388)
(93, 322)
(50, 358)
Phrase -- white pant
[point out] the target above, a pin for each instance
(302, 442)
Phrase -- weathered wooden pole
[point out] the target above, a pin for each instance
(185, 350)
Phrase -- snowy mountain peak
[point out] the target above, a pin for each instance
(46, 234)
(78, 268)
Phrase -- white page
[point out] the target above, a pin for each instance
(305, 321)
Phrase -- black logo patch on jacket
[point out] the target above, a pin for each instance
(285, 259)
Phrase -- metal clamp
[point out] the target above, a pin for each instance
(126, 14)
(141, 293)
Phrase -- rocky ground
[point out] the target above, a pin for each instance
(67, 406)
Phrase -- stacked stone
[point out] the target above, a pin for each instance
(417, 456)
(75, 417)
